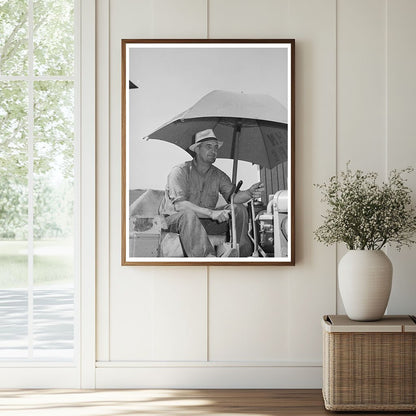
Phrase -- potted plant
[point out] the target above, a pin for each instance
(366, 215)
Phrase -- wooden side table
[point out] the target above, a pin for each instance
(369, 366)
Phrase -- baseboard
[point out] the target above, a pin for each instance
(210, 377)
(39, 378)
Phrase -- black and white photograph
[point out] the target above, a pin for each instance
(208, 152)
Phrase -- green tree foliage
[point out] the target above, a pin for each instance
(53, 37)
(13, 159)
(52, 118)
(53, 208)
(13, 37)
(13, 208)
(13, 129)
(54, 127)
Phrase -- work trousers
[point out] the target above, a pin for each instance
(193, 231)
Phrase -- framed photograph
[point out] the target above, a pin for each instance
(208, 133)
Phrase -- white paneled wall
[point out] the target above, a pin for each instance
(401, 132)
(361, 84)
(248, 315)
(249, 19)
(254, 326)
(164, 315)
(361, 88)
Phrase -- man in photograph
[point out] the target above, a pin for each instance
(191, 197)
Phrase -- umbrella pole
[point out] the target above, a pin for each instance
(234, 150)
(234, 154)
(233, 224)
(255, 236)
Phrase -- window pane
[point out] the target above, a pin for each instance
(53, 320)
(13, 37)
(13, 160)
(54, 176)
(53, 197)
(14, 321)
(53, 37)
(13, 219)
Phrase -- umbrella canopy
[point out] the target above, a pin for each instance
(253, 127)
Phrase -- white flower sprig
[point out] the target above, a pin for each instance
(365, 215)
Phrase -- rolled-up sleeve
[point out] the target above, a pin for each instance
(225, 185)
(177, 186)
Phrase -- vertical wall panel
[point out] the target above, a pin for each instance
(103, 177)
(179, 18)
(361, 89)
(131, 316)
(248, 315)
(401, 143)
(361, 84)
(312, 282)
(159, 317)
(180, 307)
(248, 19)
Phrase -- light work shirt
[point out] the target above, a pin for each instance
(185, 183)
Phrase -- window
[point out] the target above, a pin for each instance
(38, 185)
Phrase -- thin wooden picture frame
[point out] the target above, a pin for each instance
(174, 92)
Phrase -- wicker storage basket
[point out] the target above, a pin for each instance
(369, 366)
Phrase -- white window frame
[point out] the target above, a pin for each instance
(88, 199)
(80, 372)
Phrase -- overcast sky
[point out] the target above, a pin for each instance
(172, 79)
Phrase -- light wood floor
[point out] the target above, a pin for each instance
(165, 402)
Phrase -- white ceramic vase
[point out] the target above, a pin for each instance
(364, 278)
